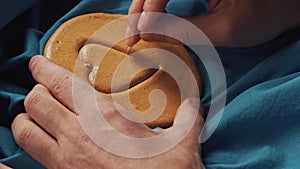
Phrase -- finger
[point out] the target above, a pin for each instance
(132, 32)
(2, 166)
(53, 116)
(34, 140)
(147, 18)
(223, 26)
(55, 78)
(48, 112)
(155, 5)
(188, 114)
(141, 22)
(136, 6)
(114, 115)
(134, 11)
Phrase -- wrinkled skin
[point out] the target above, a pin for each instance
(230, 23)
(51, 133)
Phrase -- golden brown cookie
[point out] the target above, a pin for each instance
(143, 72)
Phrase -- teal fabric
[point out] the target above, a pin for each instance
(260, 127)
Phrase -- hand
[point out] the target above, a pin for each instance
(137, 24)
(2, 166)
(231, 23)
(50, 130)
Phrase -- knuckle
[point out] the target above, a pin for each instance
(33, 98)
(60, 83)
(23, 134)
(79, 137)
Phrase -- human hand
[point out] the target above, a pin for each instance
(51, 132)
(230, 23)
(2, 166)
(137, 24)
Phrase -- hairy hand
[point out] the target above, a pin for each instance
(51, 132)
(231, 23)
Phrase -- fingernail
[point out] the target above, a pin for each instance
(142, 21)
(33, 61)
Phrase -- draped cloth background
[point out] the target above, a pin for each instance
(260, 127)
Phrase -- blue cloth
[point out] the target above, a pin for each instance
(260, 127)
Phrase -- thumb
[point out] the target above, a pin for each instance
(188, 115)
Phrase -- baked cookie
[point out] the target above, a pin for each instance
(125, 74)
